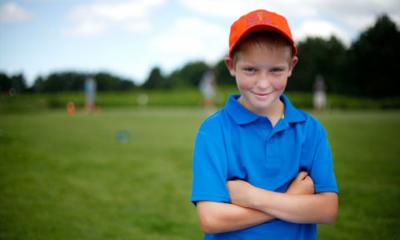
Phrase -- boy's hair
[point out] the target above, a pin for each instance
(256, 21)
(262, 39)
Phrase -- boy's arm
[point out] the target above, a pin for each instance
(315, 208)
(216, 217)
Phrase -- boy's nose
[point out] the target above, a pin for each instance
(263, 83)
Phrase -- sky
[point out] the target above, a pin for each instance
(128, 38)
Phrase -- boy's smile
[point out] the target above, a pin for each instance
(261, 73)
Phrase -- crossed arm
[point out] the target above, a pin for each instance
(252, 206)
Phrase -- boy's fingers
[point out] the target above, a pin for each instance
(302, 175)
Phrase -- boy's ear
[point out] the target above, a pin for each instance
(229, 65)
(293, 64)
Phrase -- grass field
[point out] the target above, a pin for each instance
(68, 177)
(32, 102)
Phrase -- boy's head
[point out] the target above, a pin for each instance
(262, 55)
(259, 20)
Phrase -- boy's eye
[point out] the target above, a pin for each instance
(277, 70)
(250, 69)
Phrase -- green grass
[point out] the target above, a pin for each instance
(172, 98)
(67, 177)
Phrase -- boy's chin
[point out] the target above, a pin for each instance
(259, 106)
(264, 101)
(266, 104)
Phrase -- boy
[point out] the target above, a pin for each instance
(262, 169)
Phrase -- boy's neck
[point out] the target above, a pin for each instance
(277, 113)
(274, 113)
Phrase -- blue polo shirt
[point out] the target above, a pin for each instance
(235, 143)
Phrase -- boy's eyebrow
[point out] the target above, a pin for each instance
(245, 64)
(278, 67)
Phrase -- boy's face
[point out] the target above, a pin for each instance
(261, 74)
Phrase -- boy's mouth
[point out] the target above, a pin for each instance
(262, 94)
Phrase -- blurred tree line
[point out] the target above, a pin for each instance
(366, 68)
(64, 81)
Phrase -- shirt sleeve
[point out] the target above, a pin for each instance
(209, 168)
(322, 171)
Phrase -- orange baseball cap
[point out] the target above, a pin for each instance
(259, 20)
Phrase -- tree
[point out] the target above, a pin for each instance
(58, 82)
(155, 80)
(38, 84)
(5, 83)
(74, 81)
(192, 72)
(222, 74)
(15, 83)
(108, 82)
(189, 75)
(374, 60)
(318, 56)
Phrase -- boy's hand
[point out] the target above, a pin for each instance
(302, 184)
(243, 193)
(240, 192)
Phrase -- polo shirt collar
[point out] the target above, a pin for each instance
(292, 114)
(242, 115)
(238, 112)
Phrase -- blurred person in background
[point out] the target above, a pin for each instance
(207, 88)
(90, 94)
(319, 98)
